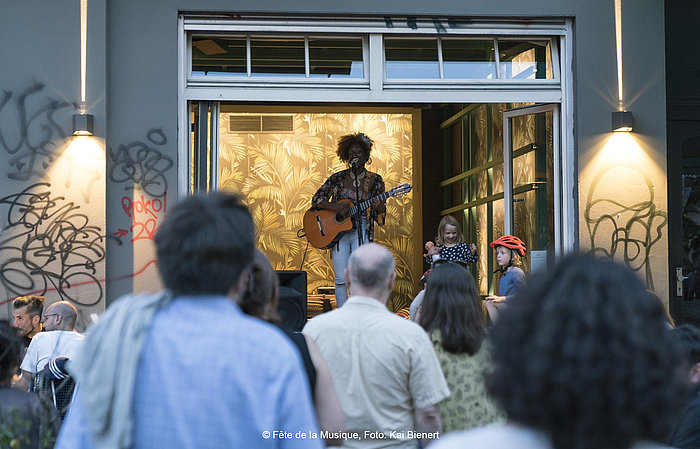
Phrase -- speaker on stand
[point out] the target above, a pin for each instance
(292, 299)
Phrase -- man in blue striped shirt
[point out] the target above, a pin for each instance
(185, 368)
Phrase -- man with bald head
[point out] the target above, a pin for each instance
(59, 340)
(385, 371)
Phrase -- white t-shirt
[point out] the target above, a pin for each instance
(46, 346)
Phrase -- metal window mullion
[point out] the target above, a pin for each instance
(440, 67)
(554, 45)
(214, 147)
(557, 172)
(248, 57)
(307, 62)
(376, 62)
(507, 177)
(497, 58)
(202, 144)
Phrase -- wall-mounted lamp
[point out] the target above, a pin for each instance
(622, 121)
(82, 124)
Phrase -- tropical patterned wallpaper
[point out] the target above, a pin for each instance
(278, 173)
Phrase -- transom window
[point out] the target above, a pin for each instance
(346, 57)
(277, 56)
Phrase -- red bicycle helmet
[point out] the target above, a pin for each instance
(511, 242)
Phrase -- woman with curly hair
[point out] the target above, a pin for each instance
(452, 315)
(583, 359)
(354, 150)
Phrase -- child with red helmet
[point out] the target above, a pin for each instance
(509, 250)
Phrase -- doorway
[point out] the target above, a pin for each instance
(452, 155)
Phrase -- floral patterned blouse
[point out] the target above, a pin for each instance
(468, 405)
(338, 186)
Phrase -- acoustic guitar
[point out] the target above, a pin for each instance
(324, 227)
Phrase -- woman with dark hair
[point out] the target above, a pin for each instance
(581, 360)
(451, 313)
(24, 421)
(354, 150)
(261, 301)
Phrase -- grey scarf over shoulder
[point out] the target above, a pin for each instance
(106, 367)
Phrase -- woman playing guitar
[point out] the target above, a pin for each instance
(354, 150)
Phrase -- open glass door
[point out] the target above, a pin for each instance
(532, 184)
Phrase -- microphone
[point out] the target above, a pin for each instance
(355, 161)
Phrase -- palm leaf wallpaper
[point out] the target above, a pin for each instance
(278, 173)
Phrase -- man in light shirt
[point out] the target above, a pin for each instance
(59, 340)
(385, 371)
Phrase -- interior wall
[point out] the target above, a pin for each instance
(278, 174)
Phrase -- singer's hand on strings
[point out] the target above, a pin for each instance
(379, 205)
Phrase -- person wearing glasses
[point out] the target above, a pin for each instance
(59, 340)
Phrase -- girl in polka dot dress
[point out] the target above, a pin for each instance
(450, 244)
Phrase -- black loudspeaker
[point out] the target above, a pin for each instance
(292, 299)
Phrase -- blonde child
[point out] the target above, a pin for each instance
(509, 249)
(450, 244)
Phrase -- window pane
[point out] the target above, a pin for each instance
(216, 56)
(334, 58)
(524, 59)
(468, 59)
(411, 58)
(277, 56)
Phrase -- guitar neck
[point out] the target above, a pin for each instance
(366, 203)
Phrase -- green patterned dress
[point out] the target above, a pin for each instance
(468, 404)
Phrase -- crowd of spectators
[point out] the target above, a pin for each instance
(583, 357)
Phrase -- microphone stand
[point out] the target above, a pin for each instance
(358, 213)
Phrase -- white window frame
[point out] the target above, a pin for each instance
(374, 88)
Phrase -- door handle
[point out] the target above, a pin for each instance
(679, 281)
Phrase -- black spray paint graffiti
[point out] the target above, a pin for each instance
(52, 247)
(142, 164)
(630, 230)
(36, 136)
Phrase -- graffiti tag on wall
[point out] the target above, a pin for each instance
(144, 215)
(142, 164)
(52, 246)
(35, 138)
(627, 230)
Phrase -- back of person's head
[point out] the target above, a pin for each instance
(205, 243)
(687, 337)
(10, 348)
(371, 267)
(584, 356)
(452, 221)
(34, 304)
(261, 298)
(452, 305)
(66, 311)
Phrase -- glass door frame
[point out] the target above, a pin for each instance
(560, 206)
